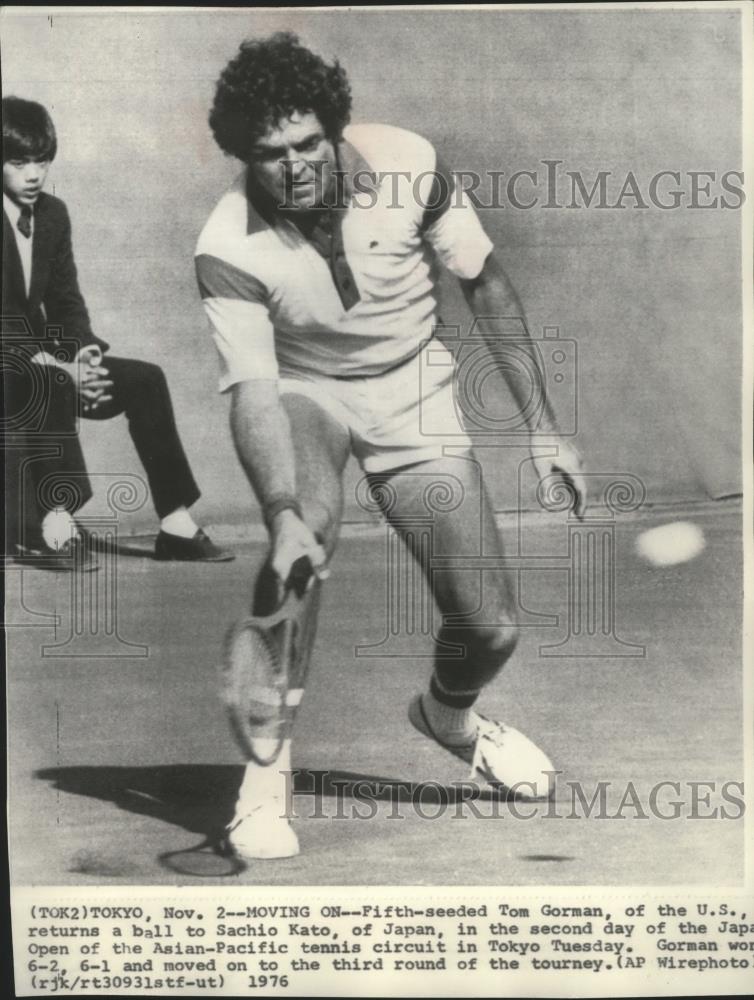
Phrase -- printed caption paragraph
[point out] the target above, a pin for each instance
(337, 945)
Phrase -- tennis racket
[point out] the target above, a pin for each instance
(264, 667)
(210, 858)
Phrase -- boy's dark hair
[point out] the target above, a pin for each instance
(270, 79)
(28, 132)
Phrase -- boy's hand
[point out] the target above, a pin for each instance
(91, 378)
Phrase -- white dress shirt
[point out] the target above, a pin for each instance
(24, 244)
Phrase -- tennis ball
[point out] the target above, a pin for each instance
(58, 528)
(670, 544)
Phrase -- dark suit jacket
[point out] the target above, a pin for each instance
(54, 298)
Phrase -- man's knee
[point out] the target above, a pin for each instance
(134, 377)
(490, 640)
(149, 374)
(501, 638)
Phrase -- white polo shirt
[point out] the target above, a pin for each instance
(278, 304)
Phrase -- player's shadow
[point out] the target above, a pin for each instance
(201, 797)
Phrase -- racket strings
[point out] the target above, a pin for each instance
(263, 675)
(254, 670)
(255, 681)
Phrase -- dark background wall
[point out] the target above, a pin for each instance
(652, 297)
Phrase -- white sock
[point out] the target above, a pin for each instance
(456, 726)
(267, 785)
(179, 522)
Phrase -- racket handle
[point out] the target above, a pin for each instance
(300, 574)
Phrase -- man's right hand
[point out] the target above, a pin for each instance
(291, 539)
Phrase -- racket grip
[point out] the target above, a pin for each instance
(300, 574)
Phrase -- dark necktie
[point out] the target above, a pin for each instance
(24, 221)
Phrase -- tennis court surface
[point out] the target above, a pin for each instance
(116, 760)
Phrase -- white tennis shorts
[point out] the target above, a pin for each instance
(400, 417)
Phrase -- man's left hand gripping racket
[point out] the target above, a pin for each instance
(266, 658)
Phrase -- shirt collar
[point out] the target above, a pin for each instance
(11, 209)
(260, 210)
(352, 164)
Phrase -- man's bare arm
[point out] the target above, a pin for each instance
(262, 438)
(491, 294)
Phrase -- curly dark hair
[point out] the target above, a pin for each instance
(270, 79)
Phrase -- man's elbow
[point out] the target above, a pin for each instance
(490, 273)
(491, 285)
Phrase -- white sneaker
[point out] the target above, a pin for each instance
(500, 755)
(263, 832)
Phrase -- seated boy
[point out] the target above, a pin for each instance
(51, 354)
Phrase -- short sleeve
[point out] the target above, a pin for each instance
(236, 305)
(452, 227)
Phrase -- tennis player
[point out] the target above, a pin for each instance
(316, 271)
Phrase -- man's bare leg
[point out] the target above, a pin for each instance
(477, 615)
(260, 827)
